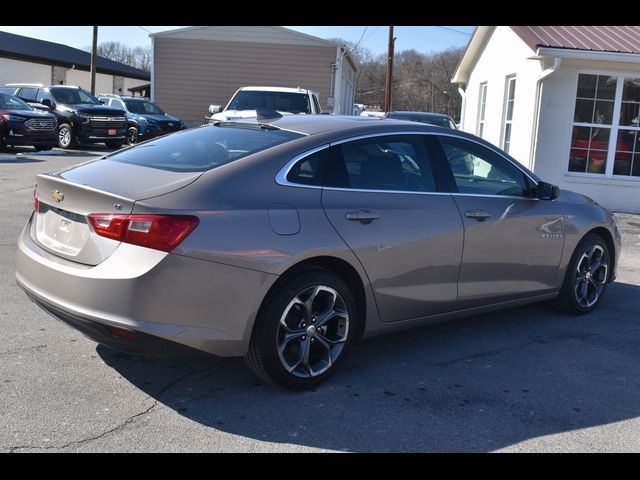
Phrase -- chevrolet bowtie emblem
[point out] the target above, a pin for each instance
(57, 196)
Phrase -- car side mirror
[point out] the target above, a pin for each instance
(47, 103)
(215, 109)
(547, 191)
(102, 102)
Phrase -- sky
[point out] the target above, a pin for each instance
(421, 38)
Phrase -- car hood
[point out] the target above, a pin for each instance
(29, 113)
(90, 109)
(229, 115)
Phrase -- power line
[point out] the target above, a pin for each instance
(148, 31)
(361, 37)
(452, 30)
(371, 33)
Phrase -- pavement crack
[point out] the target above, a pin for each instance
(489, 353)
(127, 421)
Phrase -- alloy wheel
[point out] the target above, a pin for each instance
(64, 137)
(591, 276)
(312, 331)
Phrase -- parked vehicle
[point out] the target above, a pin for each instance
(145, 119)
(285, 241)
(21, 124)
(247, 100)
(81, 117)
(430, 118)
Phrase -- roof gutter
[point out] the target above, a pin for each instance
(557, 61)
(463, 107)
(589, 55)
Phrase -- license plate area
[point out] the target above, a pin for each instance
(112, 132)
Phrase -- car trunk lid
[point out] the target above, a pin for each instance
(66, 198)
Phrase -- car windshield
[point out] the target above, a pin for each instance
(428, 119)
(73, 96)
(204, 148)
(280, 101)
(143, 106)
(9, 102)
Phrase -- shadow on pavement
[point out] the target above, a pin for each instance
(18, 159)
(477, 384)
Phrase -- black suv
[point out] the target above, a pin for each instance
(81, 116)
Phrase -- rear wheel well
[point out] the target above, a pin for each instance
(339, 267)
(606, 236)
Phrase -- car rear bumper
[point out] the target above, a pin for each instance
(196, 303)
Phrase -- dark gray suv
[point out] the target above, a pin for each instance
(81, 117)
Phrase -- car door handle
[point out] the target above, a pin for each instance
(362, 216)
(477, 214)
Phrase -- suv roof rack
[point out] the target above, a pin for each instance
(38, 85)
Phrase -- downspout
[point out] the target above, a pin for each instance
(463, 107)
(536, 114)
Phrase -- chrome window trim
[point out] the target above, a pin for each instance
(281, 176)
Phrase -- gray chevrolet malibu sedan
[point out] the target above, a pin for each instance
(285, 240)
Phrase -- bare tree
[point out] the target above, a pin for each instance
(421, 81)
(138, 57)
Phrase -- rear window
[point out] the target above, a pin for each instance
(202, 149)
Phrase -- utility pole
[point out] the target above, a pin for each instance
(387, 89)
(432, 80)
(94, 56)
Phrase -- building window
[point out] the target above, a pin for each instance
(508, 112)
(606, 126)
(481, 108)
(627, 156)
(592, 123)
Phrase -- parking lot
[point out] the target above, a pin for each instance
(527, 379)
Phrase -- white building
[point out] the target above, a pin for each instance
(563, 101)
(29, 60)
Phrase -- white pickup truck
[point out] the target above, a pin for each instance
(286, 101)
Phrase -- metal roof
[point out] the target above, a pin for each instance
(27, 48)
(621, 39)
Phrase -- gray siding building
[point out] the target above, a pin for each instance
(198, 66)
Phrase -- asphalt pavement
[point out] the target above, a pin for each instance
(527, 379)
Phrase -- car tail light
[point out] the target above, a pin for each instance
(36, 202)
(160, 232)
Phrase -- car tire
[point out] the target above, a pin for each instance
(132, 135)
(66, 137)
(114, 144)
(297, 343)
(3, 144)
(587, 275)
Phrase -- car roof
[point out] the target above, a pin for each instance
(422, 114)
(276, 89)
(315, 124)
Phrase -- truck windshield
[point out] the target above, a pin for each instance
(280, 101)
(73, 96)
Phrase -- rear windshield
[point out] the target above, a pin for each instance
(204, 148)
